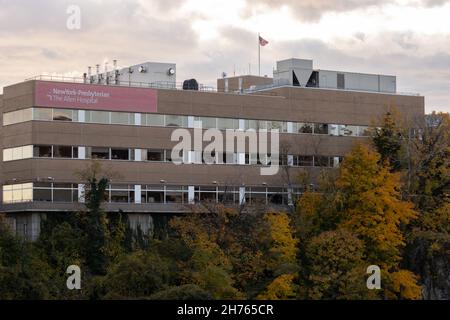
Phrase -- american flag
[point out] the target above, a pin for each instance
(262, 42)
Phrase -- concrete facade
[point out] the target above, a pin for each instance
(285, 103)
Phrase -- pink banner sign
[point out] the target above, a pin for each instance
(94, 97)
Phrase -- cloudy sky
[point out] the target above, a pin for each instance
(407, 38)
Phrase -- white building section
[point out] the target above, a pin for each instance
(300, 72)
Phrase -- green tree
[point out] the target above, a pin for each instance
(336, 267)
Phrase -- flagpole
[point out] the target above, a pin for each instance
(259, 56)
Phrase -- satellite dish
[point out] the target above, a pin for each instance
(224, 74)
(171, 71)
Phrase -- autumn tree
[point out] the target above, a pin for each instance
(425, 172)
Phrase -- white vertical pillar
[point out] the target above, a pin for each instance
(290, 160)
(137, 193)
(241, 158)
(225, 85)
(290, 127)
(137, 119)
(191, 194)
(335, 162)
(137, 154)
(241, 195)
(290, 200)
(81, 152)
(241, 124)
(81, 116)
(190, 121)
(81, 189)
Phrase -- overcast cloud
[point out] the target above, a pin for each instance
(407, 38)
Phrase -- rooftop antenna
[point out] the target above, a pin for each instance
(97, 70)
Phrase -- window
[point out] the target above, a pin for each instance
(228, 194)
(321, 128)
(321, 161)
(303, 161)
(205, 194)
(340, 81)
(176, 194)
(274, 125)
(258, 195)
(99, 116)
(17, 116)
(276, 195)
(207, 122)
(42, 151)
(255, 124)
(22, 192)
(121, 193)
(120, 154)
(156, 120)
(348, 130)
(42, 191)
(153, 194)
(65, 192)
(97, 152)
(226, 123)
(363, 131)
(120, 118)
(65, 115)
(304, 127)
(62, 151)
(18, 153)
(42, 114)
(155, 155)
(176, 121)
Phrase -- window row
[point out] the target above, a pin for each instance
(165, 120)
(124, 193)
(165, 155)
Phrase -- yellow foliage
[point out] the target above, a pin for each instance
(284, 244)
(281, 288)
(403, 285)
(373, 209)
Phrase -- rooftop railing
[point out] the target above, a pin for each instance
(258, 89)
(156, 85)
